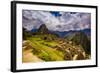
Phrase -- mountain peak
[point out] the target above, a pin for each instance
(43, 29)
(82, 38)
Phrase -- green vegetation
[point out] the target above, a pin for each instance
(45, 46)
(44, 52)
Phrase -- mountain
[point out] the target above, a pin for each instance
(44, 33)
(43, 29)
(80, 38)
(66, 33)
(87, 32)
(46, 45)
(59, 33)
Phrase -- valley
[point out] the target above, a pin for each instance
(44, 46)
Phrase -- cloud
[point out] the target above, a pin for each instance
(65, 22)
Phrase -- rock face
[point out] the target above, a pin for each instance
(43, 29)
(81, 38)
(46, 34)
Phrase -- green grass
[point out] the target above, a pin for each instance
(44, 52)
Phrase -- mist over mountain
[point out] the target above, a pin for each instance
(66, 33)
(61, 34)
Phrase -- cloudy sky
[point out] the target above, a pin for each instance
(56, 21)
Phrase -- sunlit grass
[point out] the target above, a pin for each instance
(45, 52)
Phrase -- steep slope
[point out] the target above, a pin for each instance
(43, 29)
(80, 38)
(45, 34)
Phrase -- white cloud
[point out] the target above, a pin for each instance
(66, 21)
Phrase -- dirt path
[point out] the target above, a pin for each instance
(29, 57)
